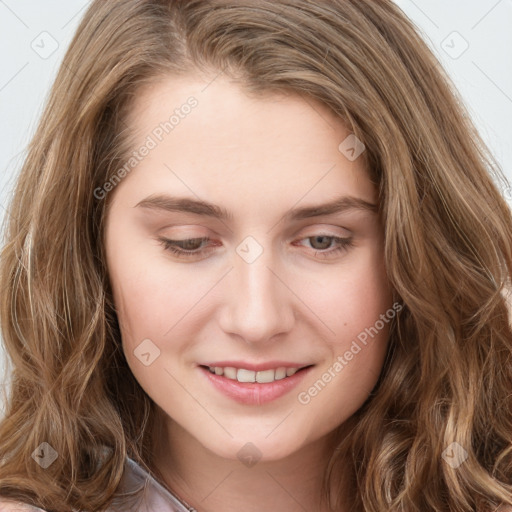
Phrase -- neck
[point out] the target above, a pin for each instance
(210, 483)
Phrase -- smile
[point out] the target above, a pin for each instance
(257, 385)
(262, 377)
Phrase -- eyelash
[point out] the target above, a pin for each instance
(170, 245)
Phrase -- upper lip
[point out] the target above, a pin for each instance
(257, 367)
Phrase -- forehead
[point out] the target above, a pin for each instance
(275, 147)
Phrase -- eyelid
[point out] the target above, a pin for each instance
(330, 228)
(304, 232)
(185, 227)
(342, 245)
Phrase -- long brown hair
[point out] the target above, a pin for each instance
(448, 251)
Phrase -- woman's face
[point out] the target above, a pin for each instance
(279, 266)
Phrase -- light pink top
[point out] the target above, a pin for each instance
(155, 498)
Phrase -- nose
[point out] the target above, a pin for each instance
(258, 303)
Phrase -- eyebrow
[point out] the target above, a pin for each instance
(198, 207)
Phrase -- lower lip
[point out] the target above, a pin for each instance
(254, 393)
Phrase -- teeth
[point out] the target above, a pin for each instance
(280, 373)
(265, 376)
(230, 373)
(245, 375)
(262, 377)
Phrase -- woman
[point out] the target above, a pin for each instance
(256, 260)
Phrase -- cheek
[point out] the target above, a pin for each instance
(357, 307)
(344, 382)
(352, 297)
(150, 295)
(148, 302)
(363, 325)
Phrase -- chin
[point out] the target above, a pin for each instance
(252, 449)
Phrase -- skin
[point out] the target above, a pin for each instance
(258, 157)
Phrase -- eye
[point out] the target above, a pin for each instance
(322, 242)
(324, 246)
(186, 248)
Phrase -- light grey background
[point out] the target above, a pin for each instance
(472, 38)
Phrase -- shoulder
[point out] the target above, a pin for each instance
(17, 506)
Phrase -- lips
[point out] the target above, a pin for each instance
(254, 384)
